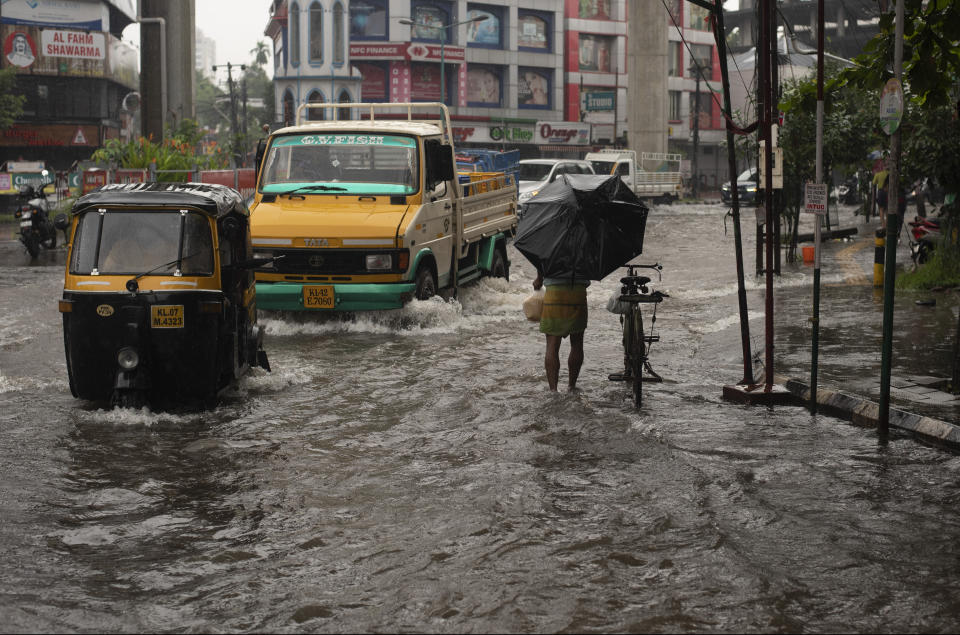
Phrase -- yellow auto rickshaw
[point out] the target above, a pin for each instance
(159, 302)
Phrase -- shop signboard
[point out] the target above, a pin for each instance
(66, 52)
(562, 133)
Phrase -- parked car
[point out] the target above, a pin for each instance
(747, 186)
(535, 173)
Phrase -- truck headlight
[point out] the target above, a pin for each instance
(265, 255)
(379, 262)
(128, 358)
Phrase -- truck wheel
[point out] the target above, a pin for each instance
(426, 283)
(500, 268)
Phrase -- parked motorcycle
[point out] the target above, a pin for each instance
(924, 236)
(36, 228)
(848, 192)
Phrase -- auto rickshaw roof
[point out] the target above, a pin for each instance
(211, 198)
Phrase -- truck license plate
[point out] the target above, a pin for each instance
(166, 316)
(318, 297)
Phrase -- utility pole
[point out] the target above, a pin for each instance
(696, 132)
(890, 258)
(234, 126)
(697, 70)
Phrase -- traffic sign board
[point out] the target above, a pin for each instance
(815, 195)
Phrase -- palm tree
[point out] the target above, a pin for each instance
(261, 53)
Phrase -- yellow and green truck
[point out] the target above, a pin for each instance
(367, 212)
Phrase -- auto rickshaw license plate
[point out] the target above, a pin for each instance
(320, 297)
(166, 316)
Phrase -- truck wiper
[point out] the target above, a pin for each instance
(314, 188)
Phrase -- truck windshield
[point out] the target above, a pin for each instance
(602, 167)
(132, 242)
(355, 163)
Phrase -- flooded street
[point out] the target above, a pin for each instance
(409, 471)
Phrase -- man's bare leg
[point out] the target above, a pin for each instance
(551, 360)
(575, 359)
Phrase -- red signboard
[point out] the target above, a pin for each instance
(415, 51)
(52, 135)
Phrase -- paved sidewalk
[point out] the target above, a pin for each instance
(925, 325)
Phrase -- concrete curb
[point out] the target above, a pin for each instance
(862, 411)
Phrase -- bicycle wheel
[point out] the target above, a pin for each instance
(637, 353)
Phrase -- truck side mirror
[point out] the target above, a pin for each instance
(439, 163)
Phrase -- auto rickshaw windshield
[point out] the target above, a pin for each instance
(120, 242)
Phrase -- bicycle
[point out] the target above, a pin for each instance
(636, 344)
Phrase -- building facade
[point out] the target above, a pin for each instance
(694, 95)
(547, 77)
(75, 73)
(206, 55)
(310, 55)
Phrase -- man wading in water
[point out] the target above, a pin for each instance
(564, 313)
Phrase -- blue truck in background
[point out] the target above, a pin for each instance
(483, 160)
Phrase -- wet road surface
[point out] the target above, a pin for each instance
(409, 471)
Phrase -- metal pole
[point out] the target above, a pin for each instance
(890, 264)
(696, 136)
(815, 342)
(443, 77)
(765, 118)
(735, 194)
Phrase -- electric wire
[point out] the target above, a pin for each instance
(730, 123)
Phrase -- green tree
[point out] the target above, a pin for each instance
(850, 132)
(261, 54)
(11, 101)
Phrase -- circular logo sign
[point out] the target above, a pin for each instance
(891, 106)
(104, 310)
(19, 49)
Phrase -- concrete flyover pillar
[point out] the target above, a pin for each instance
(647, 76)
(166, 75)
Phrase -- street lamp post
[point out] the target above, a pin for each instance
(696, 127)
(443, 39)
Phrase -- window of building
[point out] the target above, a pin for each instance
(534, 87)
(535, 31)
(594, 9)
(344, 113)
(316, 114)
(425, 82)
(288, 112)
(705, 114)
(484, 85)
(316, 33)
(489, 32)
(295, 34)
(368, 19)
(595, 53)
(674, 12)
(429, 20)
(703, 56)
(674, 100)
(699, 17)
(373, 86)
(339, 53)
(675, 59)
